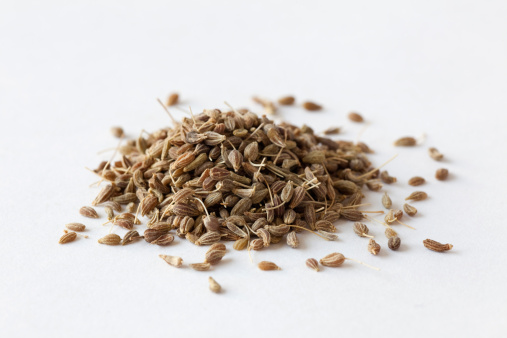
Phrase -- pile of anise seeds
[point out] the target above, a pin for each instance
(234, 176)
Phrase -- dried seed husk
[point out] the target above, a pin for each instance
(75, 226)
(214, 286)
(373, 247)
(442, 174)
(351, 214)
(286, 100)
(67, 238)
(172, 99)
(407, 141)
(333, 260)
(117, 132)
(268, 266)
(164, 240)
(240, 244)
(332, 131)
(103, 195)
(394, 243)
(311, 106)
(384, 176)
(214, 256)
(88, 212)
(110, 239)
(130, 237)
(361, 229)
(292, 240)
(355, 117)
(327, 235)
(151, 235)
(386, 201)
(109, 212)
(124, 223)
(416, 180)
(313, 264)
(436, 246)
(200, 266)
(172, 260)
(390, 233)
(256, 244)
(435, 154)
(409, 210)
(208, 238)
(417, 196)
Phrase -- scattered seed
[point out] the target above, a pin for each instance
(67, 238)
(390, 233)
(416, 180)
(75, 226)
(435, 154)
(311, 106)
(213, 285)
(312, 263)
(373, 247)
(333, 260)
(410, 210)
(442, 174)
(110, 239)
(386, 201)
(172, 99)
(436, 246)
(384, 176)
(417, 196)
(286, 100)
(117, 132)
(88, 212)
(405, 142)
(394, 243)
(355, 117)
(200, 266)
(268, 266)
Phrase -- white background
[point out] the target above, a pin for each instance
(70, 71)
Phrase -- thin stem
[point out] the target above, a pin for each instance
(405, 224)
(372, 171)
(168, 113)
(313, 232)
(207, 213)
(363, 263)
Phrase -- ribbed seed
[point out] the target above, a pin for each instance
(416, 180)
(409, 210)
(333, 260)
(67, 238)
(436, 246)
(394, 243)
(200, 266)
(386, 201)
(88, 212)
(407, 141)
(213, 285)
(110, 239)
(313, 264)
(75, 226)
(417, 196)
(268, 266)
(373, 247)
(172, 260)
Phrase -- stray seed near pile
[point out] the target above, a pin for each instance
(172, 99)
(386, 201)
(416, 180)
(417, 196)
(435, 154)
(332, 131)
(200, 266)
(355, 117)
(130, 237)
(88, 212)
(172, 260)
(333, 260)
(75, 226)
(436, 246)
(405, 142)
(394, 243)
(67, 238)
(390, 233)
(286, 100)
(311, 106)
(213, 285)
(117, 132)
(110, 239)
(409, 210)
(361, 230)
(373, 247)
(384, 176)
(442, 174)
(313, 264)
(268, 266)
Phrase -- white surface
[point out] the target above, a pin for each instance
(68, 72)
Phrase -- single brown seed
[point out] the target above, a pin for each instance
(405, 142)
(268, 266)
(361, 229)
(312, 263)
(409, 210)
(164, 240)
(200, 266)
(240, 244)
(88, 212)
(117, 132)
(416, 180)
(292, 240)
(311, 106)
(394, 243)
(332, 131)
(214, 286)
(384, 176)
(130, 237)
(333, 260)
(417, 196)
(436, 246)
(390, 233)
(389, 218)
(214, 256)
(208, 238)
(75, 226)
(67, 238)
(386, 201)
(104, 195)
(286, 100)
(172, 260)
(435, 154)
(109, 212)
(172, 99)
(442, 174)
(110, 239)
(355, 117)
(373, 247)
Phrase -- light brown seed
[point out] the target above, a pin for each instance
(394, 243)
(312, 264)
(384, 176)
(327, 235)
(407, 141)
(104, 195)
(286, 100)
(75, 226)
(109, 212)
(361, 229)
(172, 260)
(131, 207)
(435, 154)
(88, 212)
(172, 99)
(409, 210)
(117, 132)
(351, 214)
(200, 266)
(268, 266)
(355, 117)
(110, 239)
(67, 238)
(130, 237)
(332, 131)
(436, 246)
(373, 247)
(390, 233)
(416, 180)
(209, 238)
(442, 174)
(386, 201)
(292, 240)
(256, 244)
(417, 196)
(389, 218)
(214, 286)
(214, 255)
(333, 260)
(240, 244)
(164, 240)
(113, 205)
(311, 106)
